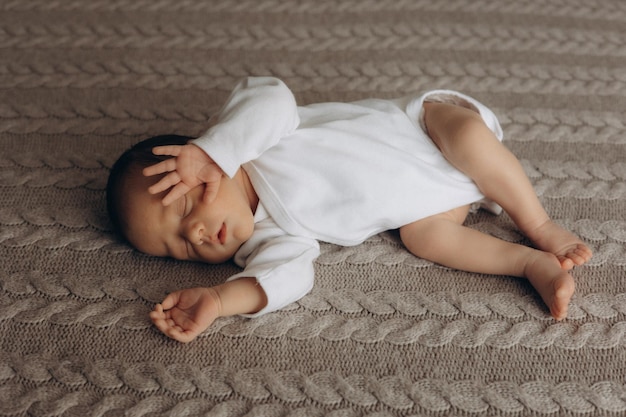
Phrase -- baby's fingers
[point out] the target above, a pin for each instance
(177, 192)
(172, 150)
(169, 328)
(210, 191)
(183, 336)
(165, 183)
(159, 317)
(168, 165)
(157, 313)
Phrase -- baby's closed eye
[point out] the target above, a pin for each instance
(183, 206)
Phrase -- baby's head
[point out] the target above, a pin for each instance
(187, 229)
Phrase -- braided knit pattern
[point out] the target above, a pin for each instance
(288, 387)
(382, 333)
(359, 77)
(560, 8)
(302, 38)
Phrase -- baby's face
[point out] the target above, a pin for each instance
(189, 228)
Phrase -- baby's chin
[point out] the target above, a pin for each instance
(219, 258)
(216, 260)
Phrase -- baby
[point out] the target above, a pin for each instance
(270, 179)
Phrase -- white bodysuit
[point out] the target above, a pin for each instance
(335, 172)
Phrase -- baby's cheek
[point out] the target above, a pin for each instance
(245, 229)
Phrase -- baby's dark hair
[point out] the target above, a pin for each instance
(139, 156)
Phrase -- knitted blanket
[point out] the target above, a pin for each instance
(383, 333)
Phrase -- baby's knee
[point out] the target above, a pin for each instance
(428, 235)
(447, 123)
(422, 238)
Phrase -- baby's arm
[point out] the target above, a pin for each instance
(258, 113)
(185, 314)
(283, 269)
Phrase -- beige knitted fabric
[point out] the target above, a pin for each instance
(382, 333)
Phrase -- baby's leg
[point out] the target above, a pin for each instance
(443, 239)
(468, 144)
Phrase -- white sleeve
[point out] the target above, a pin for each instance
(282, 264)
(258, 113)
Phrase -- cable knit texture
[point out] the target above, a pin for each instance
(383, 333)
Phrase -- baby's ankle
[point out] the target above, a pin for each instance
(537, 260)
(537, 229)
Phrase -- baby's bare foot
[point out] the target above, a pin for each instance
(554, 284)
(567, 247)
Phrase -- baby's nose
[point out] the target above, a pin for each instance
(194, 233)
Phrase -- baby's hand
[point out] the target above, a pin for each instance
(185, 314)
(189, 167)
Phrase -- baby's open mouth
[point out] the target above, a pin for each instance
(221, 235)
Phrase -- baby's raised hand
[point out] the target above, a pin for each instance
(189, 167)
(185, 314)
